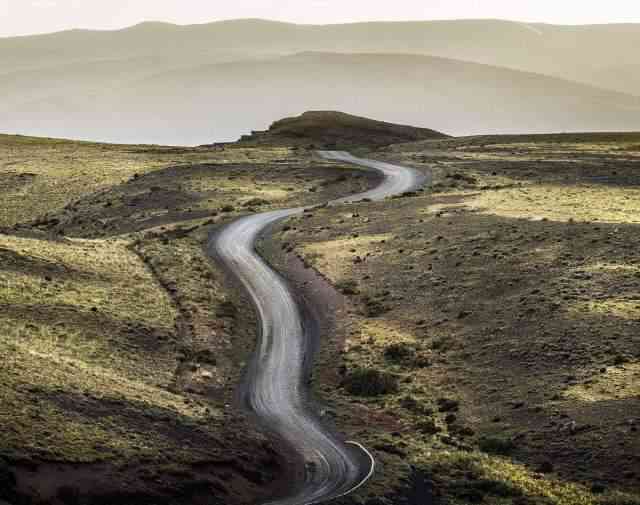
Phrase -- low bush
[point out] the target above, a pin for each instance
(412, 405)
(370, 382)
(255, 202)
(478, 490)
(400, 353)
(348, 287)
(428, 427)
(497, 445)
(373, 308)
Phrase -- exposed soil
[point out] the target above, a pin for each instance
(510, 335)
(490, 324)
(337, 130)
(164, 217)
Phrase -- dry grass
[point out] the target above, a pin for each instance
(81, 318)
(563, 203)
(43, 176)
(500, 297)
(338, 255)
(514, 286)
(94, 276)
(614, 383)
(217, 336)
(478, 477)
(123, 345)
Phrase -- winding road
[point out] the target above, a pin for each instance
(275, 389)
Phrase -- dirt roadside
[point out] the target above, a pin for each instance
(502, 313)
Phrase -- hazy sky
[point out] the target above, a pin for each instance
(37, 16)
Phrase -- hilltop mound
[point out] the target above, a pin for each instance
(338, 129)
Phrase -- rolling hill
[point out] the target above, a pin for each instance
(337, 130)
(163, 83)
(217, 102)
(570, 52)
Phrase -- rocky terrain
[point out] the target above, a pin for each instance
(122, 342)
(486, 328)
(479, 338)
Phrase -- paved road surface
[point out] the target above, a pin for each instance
(274, 390)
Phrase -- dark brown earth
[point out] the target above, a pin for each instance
(504, 355)
(502, 307)
(337, 130)
(166, 216)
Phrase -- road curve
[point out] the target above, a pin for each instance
(274, 389)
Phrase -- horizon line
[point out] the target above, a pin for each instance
(294, 23)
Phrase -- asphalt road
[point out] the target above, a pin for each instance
(275, 389)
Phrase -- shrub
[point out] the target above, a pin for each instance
(370, 382)
(255, 202)
(442, 344)
(207, 357)
(479, 489)
(422, 362)
(428, 427)
(226, 309)
(372, 307)
(414, 406)
(400, 353)
(448, 405)
(347, 287)
(497, 445)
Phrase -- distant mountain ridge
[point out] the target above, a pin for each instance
(571, 52)
(171, 84)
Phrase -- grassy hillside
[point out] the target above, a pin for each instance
(486, 330)
(120, 342)
(223, 101)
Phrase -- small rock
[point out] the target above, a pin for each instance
(428, 427)
(448, 405)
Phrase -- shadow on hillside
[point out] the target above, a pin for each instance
(48, 270)
(106, 330)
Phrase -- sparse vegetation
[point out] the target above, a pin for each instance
(122, 345)
(370, 382)
(337, 130)
(401, 353)
(41, 177)
(347, 287)
(488, 326)
(523, 308)
(496, 445)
